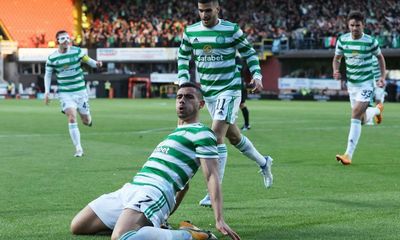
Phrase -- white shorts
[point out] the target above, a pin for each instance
(145, 199)
(77, 101)
(363, 92)
(224, 108)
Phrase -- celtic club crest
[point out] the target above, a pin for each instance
(220, 39)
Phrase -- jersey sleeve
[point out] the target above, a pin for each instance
(184, 55)
(206, 145)
(86, 59)
(47, 76)
(89, 61)
(339, 47)
(376, 50)
(247, 51)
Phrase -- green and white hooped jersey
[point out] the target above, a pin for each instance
(176, 159)
(67, 67)
(214, 50)
(358, 55)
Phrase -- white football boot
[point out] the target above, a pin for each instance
(266, 171)
(78, 152)
(206, 201)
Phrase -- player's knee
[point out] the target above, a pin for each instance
(71, 118)
(76, 228)
(116, 235)
(234, 140)
(220, 140)
(357, 115)
(220, 136)
(85, 121)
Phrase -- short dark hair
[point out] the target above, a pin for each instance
(356, 15)
(192, 85)
(208, 1)
(60, 32)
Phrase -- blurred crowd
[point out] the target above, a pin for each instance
(303, 23)
(136, 23)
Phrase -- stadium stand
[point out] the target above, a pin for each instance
(275, 25)
(36, 22)
(284, 24)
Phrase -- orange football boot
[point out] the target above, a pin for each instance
(379, 117)
(197, 233)
(344, 159)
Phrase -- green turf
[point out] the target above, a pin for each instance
(313, 197)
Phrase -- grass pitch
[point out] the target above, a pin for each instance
(313, 197)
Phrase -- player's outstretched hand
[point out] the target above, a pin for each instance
(381, 83)
(99, 64)
(337, 75)
(226, 230)
(258, 86)
(46, 99)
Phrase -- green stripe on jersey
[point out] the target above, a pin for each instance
(77, 75)
(73, 52)
(356, 80)
(72, 89)
(183, 67)
(162, 174)
(205, 142)
(183, 52)
(193, 130)
(222, 70)
(173, 167)
(216, 92)
(221, 83)
(361, 73)
(354, 43)
(213, 45)
(210, 33)
(356, 51)
(181, 156)
(349, 66)
(69, 83)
